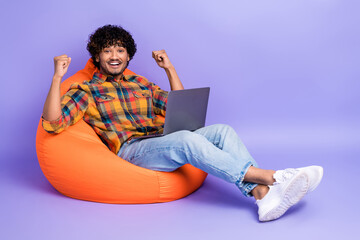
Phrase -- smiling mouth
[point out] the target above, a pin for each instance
(114, 64)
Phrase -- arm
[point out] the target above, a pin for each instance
(61, 112)
(52, 106)
(163, 61)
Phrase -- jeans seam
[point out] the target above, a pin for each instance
(240, 183)
(243, 172)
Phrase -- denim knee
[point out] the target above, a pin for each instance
(188, 139)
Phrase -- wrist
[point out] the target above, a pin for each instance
(170, 71)
(57, 78)
(169, 68)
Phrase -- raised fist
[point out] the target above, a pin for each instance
(61, 65)
(162, 59)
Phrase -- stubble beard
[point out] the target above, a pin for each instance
(115, 74)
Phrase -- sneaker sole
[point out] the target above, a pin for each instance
(292, 195)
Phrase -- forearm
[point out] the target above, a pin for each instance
(52, 106)
(174, 79)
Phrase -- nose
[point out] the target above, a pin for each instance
(113, 55)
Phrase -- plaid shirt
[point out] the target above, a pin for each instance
(116, 110)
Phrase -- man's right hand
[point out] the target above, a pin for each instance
(61, 65)
(52, 106)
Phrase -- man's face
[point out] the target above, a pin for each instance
(113, 60)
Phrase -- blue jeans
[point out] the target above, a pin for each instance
(215, 149)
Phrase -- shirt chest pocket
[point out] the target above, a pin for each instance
(104, 98)
(142, 94)
(108, 106)
(142, 100)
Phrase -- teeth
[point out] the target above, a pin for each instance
(114, 63)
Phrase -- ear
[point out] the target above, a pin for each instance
(97, 58)
(128, 57)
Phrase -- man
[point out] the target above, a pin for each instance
(119, 108)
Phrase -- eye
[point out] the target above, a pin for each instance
(121, 50)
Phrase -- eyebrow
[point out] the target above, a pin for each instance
(115, 46)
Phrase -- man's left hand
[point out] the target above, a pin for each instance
(162, 59)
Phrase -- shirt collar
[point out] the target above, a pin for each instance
(101, 78)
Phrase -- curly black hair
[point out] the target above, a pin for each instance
(110, 35)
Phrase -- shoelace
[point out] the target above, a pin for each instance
(283, 175)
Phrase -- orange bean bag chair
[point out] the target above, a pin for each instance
(80, 166)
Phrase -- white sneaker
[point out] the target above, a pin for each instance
(315, 174)
(289, 188)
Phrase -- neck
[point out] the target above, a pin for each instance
(117, 77)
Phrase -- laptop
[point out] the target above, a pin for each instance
(185, 110)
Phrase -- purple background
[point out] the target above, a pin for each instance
(283, 73)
